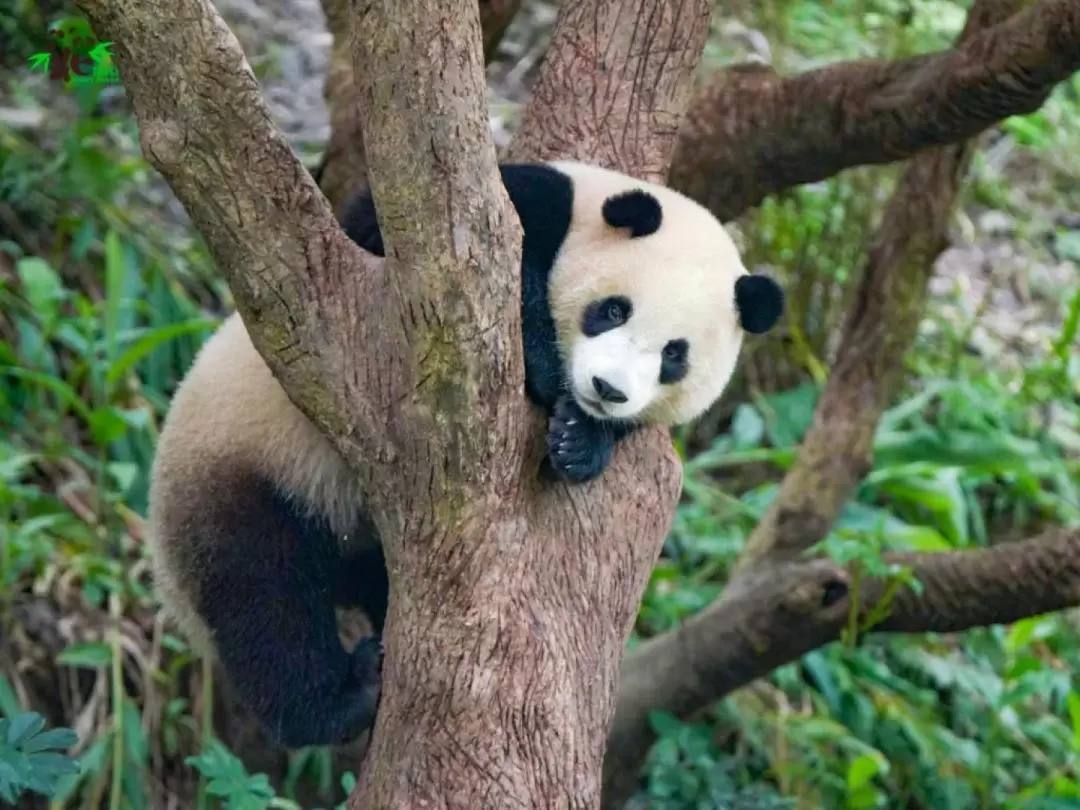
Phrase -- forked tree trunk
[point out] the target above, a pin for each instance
(344, 168)
(511, 601)
(512, 630)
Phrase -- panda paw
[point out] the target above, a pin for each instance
(367, 657)
(330, 716)
(579, 447)
(363, 689)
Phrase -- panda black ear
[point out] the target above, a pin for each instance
(760, 302)
(637, 210)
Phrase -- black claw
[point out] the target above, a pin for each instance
(579, 447)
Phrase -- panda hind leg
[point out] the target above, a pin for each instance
(266, 589)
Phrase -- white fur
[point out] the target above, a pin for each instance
(681, 281)
(230, 412)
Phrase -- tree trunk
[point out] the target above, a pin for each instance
(343, 167)
(506, 690)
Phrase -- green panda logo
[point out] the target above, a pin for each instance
(75, 55)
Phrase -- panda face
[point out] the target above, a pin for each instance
(651, 301)
(617, 371)
(640, 351)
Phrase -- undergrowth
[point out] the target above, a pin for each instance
(103, 304)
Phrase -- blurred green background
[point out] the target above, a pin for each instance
(106, 293)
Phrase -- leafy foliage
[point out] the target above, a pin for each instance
(30, 758)
(241, 791)
(103, 304)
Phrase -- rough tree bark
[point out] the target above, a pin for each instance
(344, 169)
(750, 133)
(775, 608)
(511, 601)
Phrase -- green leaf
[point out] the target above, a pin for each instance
(60, 739)
(57, 386)
(42, 287)
(792, 413)
(1072, 700)
(665, 724)
(152, 340)
(1024, 631)
(89, 655)
(26, 763)
(107, 426)
(23, 726)
(747, 427)
(47, 768)
(228, 778)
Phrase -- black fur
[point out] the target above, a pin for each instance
(760, 302)
(675, 361)
(269, 594)
(579, 446)
(606, 314)
(637, 210)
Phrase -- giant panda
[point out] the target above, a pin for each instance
(634, 306)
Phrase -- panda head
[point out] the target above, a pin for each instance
(651, 300)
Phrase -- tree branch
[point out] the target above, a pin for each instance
(453, 245)
(836, 452)
(204, 126)
(343, 167)
(511, 601)
(998, 585)
(515, 623)
(750, 133)
(411, 365)
(774, 615)
(604, 94)
(318, 307)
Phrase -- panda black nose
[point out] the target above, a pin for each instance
(607, 391)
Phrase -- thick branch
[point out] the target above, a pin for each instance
(204, 126)
(998, 585)
(773, 616)
(603, 96)
(837, 450)
(343, 167)
(751, 133)
(507, 630)
(318, 307)
(452, 245)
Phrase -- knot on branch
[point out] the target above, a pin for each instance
(164, 142)
(819, 594)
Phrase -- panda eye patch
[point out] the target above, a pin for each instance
(606, 314)
(673, 361)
